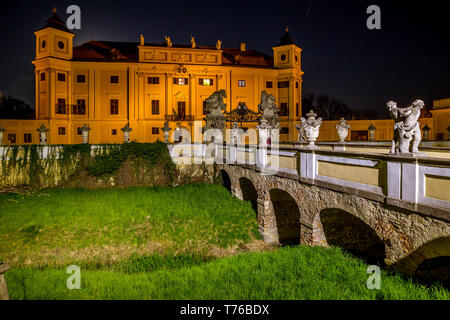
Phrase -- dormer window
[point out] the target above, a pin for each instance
(114, 54)
(180, 81)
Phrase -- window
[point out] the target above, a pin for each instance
(284, 111)
(153, 80)
(296, 84)
(80, 107)
(61, 106)
(114, 79)
(62, 131)
(155, 106)
(11, 138)
(283, 84)
(79, 132)
(155, 130)
(62, 77)
(81, 78)
(297, 110)
(284, 130)
(114, 132)
(61, 45)
(269, 84)
(27, 137)
(283, 57)
(180, 81)
(204, 108)
(43, 76)
(241, 83)
(114, 106)
(181, 110)
(206, 82)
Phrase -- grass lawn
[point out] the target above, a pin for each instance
(189, 242)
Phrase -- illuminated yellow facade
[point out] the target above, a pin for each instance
(109, 84)
(441, 118)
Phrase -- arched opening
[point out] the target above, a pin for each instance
(287, 217)
(225, 179)
(342, 229)
(434, 270)
(249, 193)
(431, 262)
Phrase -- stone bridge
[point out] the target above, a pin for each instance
(389, 210)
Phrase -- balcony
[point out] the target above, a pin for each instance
(179, 117)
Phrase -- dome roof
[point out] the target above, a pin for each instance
(286, 39)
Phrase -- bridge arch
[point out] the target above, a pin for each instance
(249, 192)
(429, 263)
(348, 231)
(287, 217)
(225, 179)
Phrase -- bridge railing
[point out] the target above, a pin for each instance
(415, 183)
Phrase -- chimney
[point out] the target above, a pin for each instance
(242, 46)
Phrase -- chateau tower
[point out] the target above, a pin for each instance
(287, 58)
(54, 47)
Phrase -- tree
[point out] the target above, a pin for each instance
(326, 108)
(12, 108)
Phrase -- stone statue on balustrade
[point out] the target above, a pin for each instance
(215, 119)
(269, 110)
(407, 134)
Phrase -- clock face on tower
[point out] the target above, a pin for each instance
(61, 45)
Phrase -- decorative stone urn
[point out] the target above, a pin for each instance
(166, 131)
(126, 133)
(1, 134)
(43, 134)
(342, 130)
(311, 128)
(85, 133)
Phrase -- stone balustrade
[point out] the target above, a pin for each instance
(420, 184)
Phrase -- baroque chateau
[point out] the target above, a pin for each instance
(107, 85)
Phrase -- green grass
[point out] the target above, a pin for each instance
(60, 227)
(189, 242)
(289, 273)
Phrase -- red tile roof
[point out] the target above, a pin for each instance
(128, 51)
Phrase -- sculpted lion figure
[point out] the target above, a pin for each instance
(215, 104)
(268, 108)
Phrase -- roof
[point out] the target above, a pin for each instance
(56, 23)
(128, 51)
(286, 39)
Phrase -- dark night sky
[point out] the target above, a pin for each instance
(407, 59)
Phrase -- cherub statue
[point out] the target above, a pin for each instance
(219, 45)
(407, 134)
(142, 40)
(193, 42)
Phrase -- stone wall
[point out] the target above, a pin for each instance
(327, 217)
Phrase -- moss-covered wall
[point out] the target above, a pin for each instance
(132, 164)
